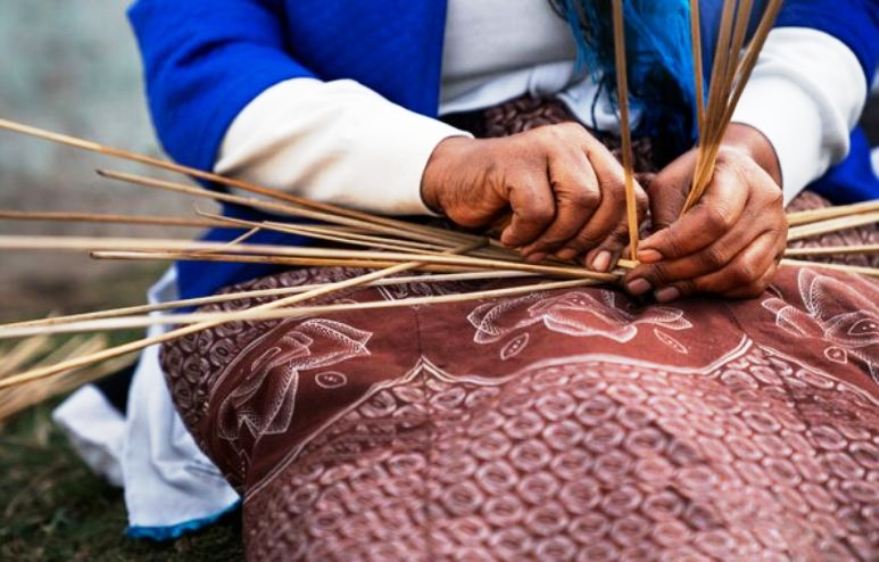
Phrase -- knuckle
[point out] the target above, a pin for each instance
(775, 196)
(673, 245)
(552, 239)
(585, 241)
(641, 200)
(569, 129)
(754, 290)
(715, 257)
(556, 135)
(616, 240)
(660, 275)
(746, 273)
(586, 197)
(538, 214)
(717, 219)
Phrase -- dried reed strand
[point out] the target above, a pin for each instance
(329, 235)
(272, 260)
(450, 239)
(15, 399)
(267, 253)
(22, 354)
(729, 75)
(715, 99)
(254, 315)
(854, 269)
(136, 220)
(138, 345)
(261, 293)
(698, 64)
(832, 225)
(619, 34)
(290, 200)
(294, 256)
(814, 215)
(831, 251)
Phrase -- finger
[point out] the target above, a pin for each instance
(533, 209)
(707, 260)
(713, 216)
(575, 188)
(756, 288)
(748, 268)
(605, 256)
(668, 190)
(611, 209)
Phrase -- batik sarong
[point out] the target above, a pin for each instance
(560, 425)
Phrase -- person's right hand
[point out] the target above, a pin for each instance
(564, 189)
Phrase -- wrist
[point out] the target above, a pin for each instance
(756, 145)
(440, 166)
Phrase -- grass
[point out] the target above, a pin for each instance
(53, 508)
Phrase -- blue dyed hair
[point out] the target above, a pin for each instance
(659, 61)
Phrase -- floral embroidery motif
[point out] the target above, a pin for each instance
(264, 401)
(849, 331)
(573, 313)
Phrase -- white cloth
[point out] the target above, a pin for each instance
(339, 142)
(342, 143)
(96, 431)
(488, 40)
(171, 487)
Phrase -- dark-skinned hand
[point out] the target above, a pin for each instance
(564, 190)
(729, 243)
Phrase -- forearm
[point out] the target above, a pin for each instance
(335, 142)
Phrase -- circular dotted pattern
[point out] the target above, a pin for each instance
(587, 461)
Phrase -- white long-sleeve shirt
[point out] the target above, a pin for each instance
(340, 142)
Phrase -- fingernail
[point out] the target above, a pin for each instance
(649, 256)
(638, 287)
(536, 257)
(566, 254)
(667, 294)
(602, 261)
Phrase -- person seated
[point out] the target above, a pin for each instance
(560, 425)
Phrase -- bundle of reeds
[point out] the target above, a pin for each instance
(41, 351)
(391, 249)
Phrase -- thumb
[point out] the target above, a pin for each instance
(668, 191)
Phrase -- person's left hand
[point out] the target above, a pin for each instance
(731, 241)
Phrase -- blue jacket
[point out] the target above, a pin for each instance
(205, 60)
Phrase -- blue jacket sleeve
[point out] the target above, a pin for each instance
(204, 61)
(854, 22)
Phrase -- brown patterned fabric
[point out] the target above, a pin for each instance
(526, 113)
(561, 425)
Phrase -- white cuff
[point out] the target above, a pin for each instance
(806, 93)
(336, 142)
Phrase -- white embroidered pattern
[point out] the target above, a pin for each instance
(853, 331)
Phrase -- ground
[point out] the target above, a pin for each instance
(52, 508)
